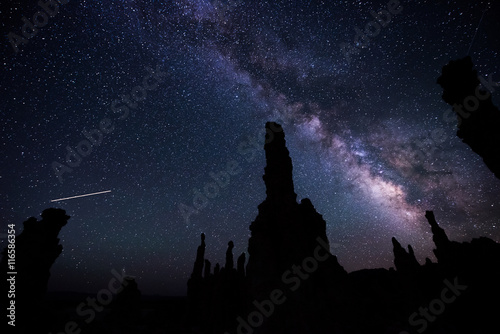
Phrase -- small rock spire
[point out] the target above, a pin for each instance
(229, 256)
(200, 258)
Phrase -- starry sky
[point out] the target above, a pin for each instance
(181, 91)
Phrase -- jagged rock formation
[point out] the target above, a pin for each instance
(289, 253)
(215, 299)
(126, 306)
(37, 248)
(476, 265)
(439, 238)
(283, 234)
(478, 118)
(405, 262)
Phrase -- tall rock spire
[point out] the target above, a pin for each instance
(284, 232)
(200, 259)
(438, 234)
(405, 262)
(439, 237)
(229, 256)
(278, 171)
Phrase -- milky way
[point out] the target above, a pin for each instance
(372, 143)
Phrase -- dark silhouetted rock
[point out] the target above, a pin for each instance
(241, 265)
(283, 235)
(216, 269)
(126, 306)
(439, 237)
(200, 259)
(405, 262)
(196, 286)
(208, 265)
(37, 248)
(478, 118)
(229, 256)
(289, 254)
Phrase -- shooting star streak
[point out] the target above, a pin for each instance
(78, 196)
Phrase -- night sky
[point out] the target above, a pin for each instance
(372, 143)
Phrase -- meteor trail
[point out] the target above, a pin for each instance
(63, 199)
